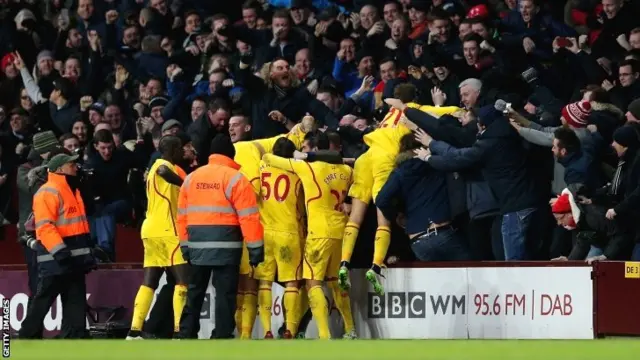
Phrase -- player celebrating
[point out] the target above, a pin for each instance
(248, 156)
(160, 236)
(371, 172)
(325, 188)
(280, 213)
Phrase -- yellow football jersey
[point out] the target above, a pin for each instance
(280, 196)
(162, 204)
(249, 154)
(325, 188)
(387, 136)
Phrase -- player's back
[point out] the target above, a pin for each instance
(162, 203)
(388, 134)
(280, 195)
(326, 186)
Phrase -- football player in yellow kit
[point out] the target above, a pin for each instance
(370, 173)
(281, 213)
(248, 156)
(325, 186)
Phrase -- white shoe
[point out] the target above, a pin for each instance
(351, 335)
(134, 338)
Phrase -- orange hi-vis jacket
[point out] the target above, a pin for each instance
(217, 208)
(61, 224)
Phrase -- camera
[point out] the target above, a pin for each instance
(29, 240)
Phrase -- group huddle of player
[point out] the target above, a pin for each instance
(333, 198)
(311, 206)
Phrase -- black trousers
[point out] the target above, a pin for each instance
(160, 322)
(485, 238)
(72, 290)
(225, 282)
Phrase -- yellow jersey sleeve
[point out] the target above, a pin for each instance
(438, 111)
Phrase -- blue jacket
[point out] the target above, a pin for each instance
(582, 167)
(542, 30)
(500, 154)
(421, 189)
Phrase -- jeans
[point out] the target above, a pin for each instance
(441, 245)
(515, 230)
(103, 224)
(636, 253)
(594, 251)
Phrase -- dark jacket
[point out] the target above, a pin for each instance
(594, 229)
(500, 152)
(31, 175)
(420, 189)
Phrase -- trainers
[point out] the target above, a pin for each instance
(287, 335)
(268, 335)
(351, 335)
(343, 278)
(300, 335)
(373, 277)
(134, 335)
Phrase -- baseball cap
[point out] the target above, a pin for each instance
(169, 124)
(59, 160)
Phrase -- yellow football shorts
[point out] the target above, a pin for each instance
(321, 259)
(371, 171)
(162, 252)
(282, 255)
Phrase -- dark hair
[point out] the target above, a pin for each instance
(633, 63)
(334, 138)
(284, 147)
(199, 98)
(567, 139)
(156, 133)
(168, 143)
(405, 92)
(386, 60)
(189, 13)
(408, 142)
(473, 37)
(281, 14)
(216, 104)
(67, 136)
(438, 14)
(331, 90)
(103, 136)
(322, 141)
(251, 4)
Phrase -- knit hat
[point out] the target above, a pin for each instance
(479, 11)
(158, 101)
(44, 142)
(634, 108)
(363, 53)
(44, 54)
(576, 114)
(627, 136)
(562, 205)
(487, 115)
(221, 144)
(97, 107)
(59, 160)
(6, 61)
(420, 5)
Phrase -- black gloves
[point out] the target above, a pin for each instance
(256, 255)
(185, 253)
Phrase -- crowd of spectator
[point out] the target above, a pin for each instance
(110, 77)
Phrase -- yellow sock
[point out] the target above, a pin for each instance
(238, 314)
(249, 309)
(291, 309)
(349, 240)
(179, 299)
(141, 306)
(301, 308)
(383, 238)
(343, 303)
(320, 311)
(264, 306)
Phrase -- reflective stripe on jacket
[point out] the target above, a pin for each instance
(61, 223)
(217, 208)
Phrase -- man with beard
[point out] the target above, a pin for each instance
(279, 91)
(208, 126)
